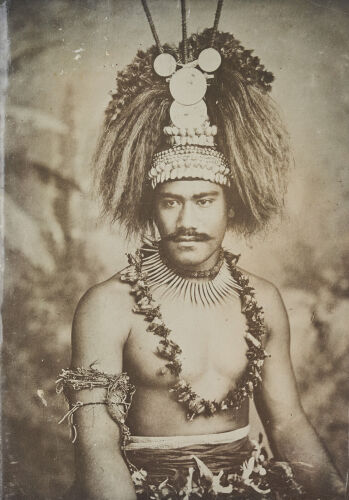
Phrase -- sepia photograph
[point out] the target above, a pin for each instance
(175, 249)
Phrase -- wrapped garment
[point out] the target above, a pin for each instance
(226, 465)
(163, 457)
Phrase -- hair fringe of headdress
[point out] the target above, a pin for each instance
(251, 136)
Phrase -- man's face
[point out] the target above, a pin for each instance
(191, 216)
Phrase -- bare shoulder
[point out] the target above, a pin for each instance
(110, 296)
(102, 321)
(269, 298)
(267, 292)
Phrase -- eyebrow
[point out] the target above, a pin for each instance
(205, 195)
(195, 196)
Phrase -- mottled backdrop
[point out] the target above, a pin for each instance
(65, 55)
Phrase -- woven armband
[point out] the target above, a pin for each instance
(119, 393)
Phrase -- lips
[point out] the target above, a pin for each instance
(187, 238)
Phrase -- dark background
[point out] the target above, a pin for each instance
(64, 58)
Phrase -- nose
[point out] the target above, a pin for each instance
(186, 217)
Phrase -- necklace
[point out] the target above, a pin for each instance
(209, 274)
(203, 288)
(195, 405)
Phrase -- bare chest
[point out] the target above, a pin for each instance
(212, 342)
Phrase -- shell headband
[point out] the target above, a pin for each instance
(192, 153)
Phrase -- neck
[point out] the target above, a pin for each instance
(203, 269)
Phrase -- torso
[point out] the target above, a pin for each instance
(214, 348)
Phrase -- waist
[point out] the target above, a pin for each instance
(174, 442)
(168, 457)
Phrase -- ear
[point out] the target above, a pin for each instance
(231, 213)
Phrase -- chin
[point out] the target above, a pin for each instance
(187, 254)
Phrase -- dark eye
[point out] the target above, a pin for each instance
(170, 203)
(205, 202)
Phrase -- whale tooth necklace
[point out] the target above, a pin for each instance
(203, 288)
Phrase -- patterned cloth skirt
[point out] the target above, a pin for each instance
(164, 457)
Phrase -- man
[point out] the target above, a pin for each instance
(183, 321)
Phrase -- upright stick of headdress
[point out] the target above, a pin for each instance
(151, 24)
(216, 21)
(184, 31)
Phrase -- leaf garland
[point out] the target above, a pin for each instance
(170, 351)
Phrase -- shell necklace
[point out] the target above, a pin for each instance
(137, 276)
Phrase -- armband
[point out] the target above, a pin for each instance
(118, 399)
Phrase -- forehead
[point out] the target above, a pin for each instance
(188, 188)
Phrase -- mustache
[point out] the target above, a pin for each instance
(180, 234)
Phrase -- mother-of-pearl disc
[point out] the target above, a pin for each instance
(188, 116)
(209, 59)
(165, 64)
(188, 86)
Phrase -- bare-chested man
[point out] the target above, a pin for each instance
(183, 321)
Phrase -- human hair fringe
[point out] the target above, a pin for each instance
(250, 134)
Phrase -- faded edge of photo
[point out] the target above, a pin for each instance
(4, 60)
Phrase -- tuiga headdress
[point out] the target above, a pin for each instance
(199, 110)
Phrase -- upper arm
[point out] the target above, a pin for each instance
(100, 330)
(277, 398)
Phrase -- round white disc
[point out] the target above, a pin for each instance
(188, 86)
(209, 60)
(164, 64)
(188, 116)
